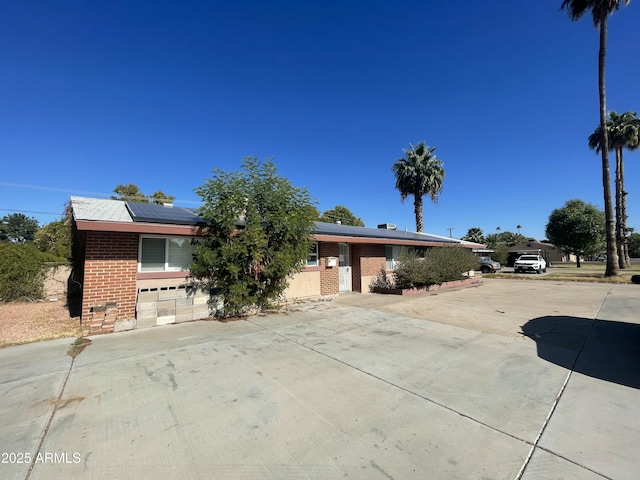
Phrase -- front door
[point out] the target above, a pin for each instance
(344, 269)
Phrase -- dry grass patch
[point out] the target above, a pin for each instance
(26, 322)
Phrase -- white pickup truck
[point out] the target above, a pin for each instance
(530, 263)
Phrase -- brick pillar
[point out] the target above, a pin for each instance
(109, 285)
(329, 280)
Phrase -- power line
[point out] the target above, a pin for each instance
(74, 192)
(28, 211)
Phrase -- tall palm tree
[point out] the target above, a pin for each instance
(600, 11)
(624, 132)
(518, 227)
(419, 173)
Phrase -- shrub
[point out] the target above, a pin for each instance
(447, 264)
(381, 280)
(441, 264)
(22, 271)
(501, 254)
(411, 271)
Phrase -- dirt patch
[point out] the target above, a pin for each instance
(33, 322)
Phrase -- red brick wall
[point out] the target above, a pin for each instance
(110, 269)
(328, 275)
(367, 261)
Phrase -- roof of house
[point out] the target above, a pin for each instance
(351, 231)
(116, 215)
(99, 209)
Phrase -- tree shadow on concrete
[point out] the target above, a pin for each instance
(603, 349)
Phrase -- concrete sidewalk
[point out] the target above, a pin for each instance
(344, 390)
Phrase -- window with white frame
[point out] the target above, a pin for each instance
(312, 259)
(392, 252)
(165, 254)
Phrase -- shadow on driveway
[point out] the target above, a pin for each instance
(602, 349)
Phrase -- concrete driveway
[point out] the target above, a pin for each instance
(510, 379)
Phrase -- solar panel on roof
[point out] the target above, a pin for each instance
(154, 213)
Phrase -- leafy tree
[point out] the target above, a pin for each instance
(419, 173)
(343, 214)
(577, 228)
(160, 198)
(129, 193)
(55, 238)
(474, 234)
(624, 132)
(634, 245)
(600, 11)
(18, 228)
(257, 233)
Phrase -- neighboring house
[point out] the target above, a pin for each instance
(548, 251)
(132, 260)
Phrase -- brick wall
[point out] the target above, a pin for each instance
(328, 275)
(367, 261)
(109, 285)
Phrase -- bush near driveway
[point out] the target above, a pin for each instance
(439, 264)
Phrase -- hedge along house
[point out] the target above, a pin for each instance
(132, 262)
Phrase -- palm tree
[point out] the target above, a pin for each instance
(600, 11)
(419, 173)
(475, 235)
(493, 239)
(623, 131)
(518, 227)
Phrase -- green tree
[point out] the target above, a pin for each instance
(55, 238)
(493, 239)
(160, 198)
(600, 11)
(577, 228)
(343, 215)
(419, 173)
(510, 239)
(624, 132)
(18, 228)
(257, 233)
(129, 193)
(474, 234)
(634, 245)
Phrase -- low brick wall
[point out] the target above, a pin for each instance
(414, 291)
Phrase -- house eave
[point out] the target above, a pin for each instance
(138, 227)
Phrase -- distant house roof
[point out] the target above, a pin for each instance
(532, 246)
(119, 216)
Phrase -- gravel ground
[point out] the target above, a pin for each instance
(35, 321)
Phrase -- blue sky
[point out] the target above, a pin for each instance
(160, 93)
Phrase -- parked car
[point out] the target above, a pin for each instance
(530, 263)
(486, 265)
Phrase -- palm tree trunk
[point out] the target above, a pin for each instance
(619, 212)
(417, 209)
(623, 216)
(612, 256)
